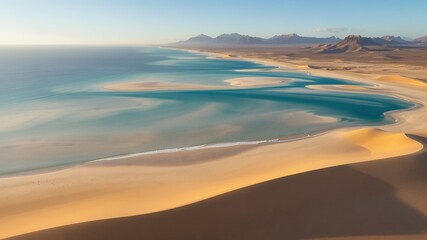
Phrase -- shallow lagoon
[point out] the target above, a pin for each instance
(56, 112)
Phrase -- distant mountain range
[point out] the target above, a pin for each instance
(350, 43)
(235, 38)
(390, 40)
(357, 43)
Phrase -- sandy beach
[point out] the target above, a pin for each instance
(351, 183)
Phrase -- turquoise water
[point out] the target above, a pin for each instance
(55, 111)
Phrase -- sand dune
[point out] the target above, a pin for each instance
(131, 189)
(303, 67)
(378, 141)
(402, 80)
(374, 200)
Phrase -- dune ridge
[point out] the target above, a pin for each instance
(379, 198)
(379, 141)
(402, 80)
(126, 190)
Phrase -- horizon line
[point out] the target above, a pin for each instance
(171, 42)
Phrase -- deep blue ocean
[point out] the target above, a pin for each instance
(55, 110)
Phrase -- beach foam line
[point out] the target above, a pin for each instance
(192, 148)
(207, 146)
(210, 146)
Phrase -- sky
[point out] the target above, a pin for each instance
(107, 22)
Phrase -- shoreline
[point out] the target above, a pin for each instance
(341, 74)
(381, 87)
(229, 173)
(233, 83)
(219, 146)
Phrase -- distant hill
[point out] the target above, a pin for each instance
(235, 38)
(357, 43)
(296, 39)
(200, 38)
(352, 43)
(421, 39)
(390, 40)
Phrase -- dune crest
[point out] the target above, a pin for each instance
(130, 189)
(381, 143)
(402, 80)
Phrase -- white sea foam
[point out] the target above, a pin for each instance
(190, 148)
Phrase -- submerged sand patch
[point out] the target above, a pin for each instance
(339, 88)
(154, 86)
(255, 81)
(244, 82)
(301, 118)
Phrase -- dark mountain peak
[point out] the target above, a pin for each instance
(353, 36)
(357, 40)
(352, 43)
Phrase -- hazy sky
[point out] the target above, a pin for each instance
(162, 21)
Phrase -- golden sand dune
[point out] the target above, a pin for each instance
(402, 80)
(380, 142)
(101, 191)
(303, 67)
(372, 200)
